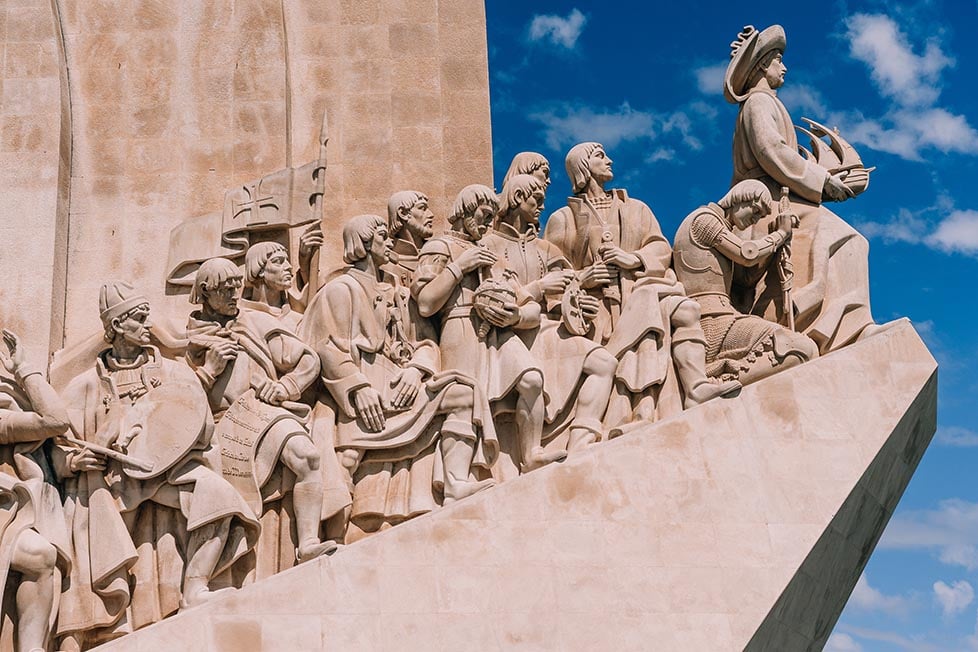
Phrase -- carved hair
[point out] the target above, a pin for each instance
(357, 232)
(211, 274)
(518, 188)
(760, 69)
(257, 257)
(748, 190)
(402, 199)
(577, 164)
(470, 198)
(525, 163)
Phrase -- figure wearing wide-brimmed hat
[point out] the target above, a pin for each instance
(831, 290)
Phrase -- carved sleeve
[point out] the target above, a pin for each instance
(297, 364)
(435, 279)
(761, 115)
(746, 252)
(48, 419)
(655, 252)
(340, 370)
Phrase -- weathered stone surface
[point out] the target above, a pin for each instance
(741, 522)
(157, 108)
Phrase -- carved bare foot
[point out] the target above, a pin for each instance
(706, 391)
(581, 437)
(463, 489)
(311, 549)
(540, 457)
(197, 593)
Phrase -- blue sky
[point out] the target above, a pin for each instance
(900, 83)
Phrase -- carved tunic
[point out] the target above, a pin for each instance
(830, 258)
(559, 354)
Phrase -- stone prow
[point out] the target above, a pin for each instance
(744, 522)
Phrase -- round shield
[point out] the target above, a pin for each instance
(169, 420)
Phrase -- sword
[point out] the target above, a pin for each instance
(786, 272)
(104, 451)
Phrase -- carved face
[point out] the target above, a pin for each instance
(599, 163)
(278, 272)
(775, 71)
(380, 246)
(745, 214)
(531, 207)
(420, 221)
(543, 174)
(477, 224)
(134, 326)
(224, 298)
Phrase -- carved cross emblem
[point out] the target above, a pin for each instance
(253, 205)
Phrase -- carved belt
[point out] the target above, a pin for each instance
(459, 312)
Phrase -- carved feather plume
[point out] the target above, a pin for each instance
(742, 38)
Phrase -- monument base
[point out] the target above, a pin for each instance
(739, 524)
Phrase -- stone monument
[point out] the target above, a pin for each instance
(434, 427)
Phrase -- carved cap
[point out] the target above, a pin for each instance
(748, 50)
(116, 298)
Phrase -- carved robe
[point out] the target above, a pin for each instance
(830, 258)
(497, 361)
(365, 333)
(253, 435)
(634, 318)
(29, 498)
(128, 534)
(559, 354)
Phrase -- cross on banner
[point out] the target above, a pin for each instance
(254, 205)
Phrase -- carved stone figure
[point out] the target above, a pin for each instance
(149, 534)
(254, 369)
(831, 259)
(396, 399)
(35, 549)
(479, 316)
(410, 223)
(705, 252)
(644, 319)
(578, 373)
(530, 163)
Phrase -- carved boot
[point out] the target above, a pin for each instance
(583, 433)
(307, 497)
(457, 453)
(690, 359)
(196, 592)
(538, 456)
(203, 551)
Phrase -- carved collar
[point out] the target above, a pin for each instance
(508, 232)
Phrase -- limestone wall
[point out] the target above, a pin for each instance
(160, 106)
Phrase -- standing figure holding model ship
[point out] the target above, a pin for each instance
(830, 300)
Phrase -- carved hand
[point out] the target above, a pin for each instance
(786, 223)
(835, 188)
(122, 443)
(504, 317)
(273, 393)
(595, 275)
(311, 240)
(368, 406)
(218, 355)
(590, 306)
(86, 460)
(406, 386)
(612, 255)
(16, 358)
(556, 281)
(475, 257)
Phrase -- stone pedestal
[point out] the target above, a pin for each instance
(742, 523)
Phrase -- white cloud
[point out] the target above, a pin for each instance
(567, 124)
(955, 233)
(803, 100)
(955, 435)
(958, 232)
(709, 79)
(840, 642)
(951, 531)
(953, 598)
(559, 30)
(908, 78)
(912, 644)
(868, 598)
